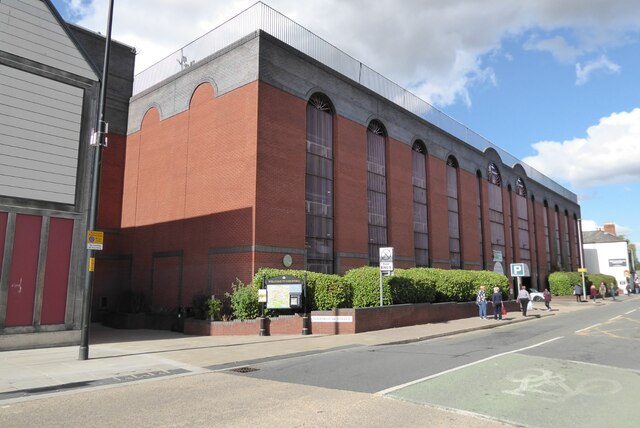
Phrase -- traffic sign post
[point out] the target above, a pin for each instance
(518, 270)
(386, 265)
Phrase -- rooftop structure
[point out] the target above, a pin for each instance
(261, 17)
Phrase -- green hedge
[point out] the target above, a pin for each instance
(597, 278)
(360, 288)
(563, 283)
(323, 291)
(365, 286)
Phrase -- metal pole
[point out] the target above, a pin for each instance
(305, 318)
(580, 251)
(381, 302)
(95, 187)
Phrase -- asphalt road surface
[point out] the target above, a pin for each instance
(578, 369)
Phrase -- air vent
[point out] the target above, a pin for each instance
(244, 370)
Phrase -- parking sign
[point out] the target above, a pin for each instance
(386, 259)
(519, 269)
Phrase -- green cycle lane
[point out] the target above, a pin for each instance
(533, 392)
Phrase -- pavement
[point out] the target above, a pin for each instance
(118, 357)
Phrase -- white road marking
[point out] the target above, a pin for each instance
(631, 311)
(404, 385)
(595, 325)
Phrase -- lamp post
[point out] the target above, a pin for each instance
(580, 252)
(100, 131)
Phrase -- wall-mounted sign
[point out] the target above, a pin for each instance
(284, 292)
(617, 262)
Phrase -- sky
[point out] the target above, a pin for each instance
(554, 83)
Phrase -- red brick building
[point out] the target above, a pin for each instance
(266, 149)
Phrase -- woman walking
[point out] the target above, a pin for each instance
(481, 301)
(523, 298)
(547, 298)
(496, 299)
(594, 292)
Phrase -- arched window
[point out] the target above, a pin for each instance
(454, 216)
(319, 186)
(567, 260)
(480, 216)
(576, 242)
(420, 224)
(522, 212)
(496, 216)
(556, 236)
(376, 190)
(547, 235)
(494, 175)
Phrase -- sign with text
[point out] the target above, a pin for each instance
(95, 239)
(284, 292)
(386, 259)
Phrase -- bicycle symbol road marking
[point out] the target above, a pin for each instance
(553, 387)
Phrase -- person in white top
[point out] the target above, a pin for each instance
(523, 298)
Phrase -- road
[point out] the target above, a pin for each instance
(577, 369)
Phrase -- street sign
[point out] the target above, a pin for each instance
(95, 240)
(582, 270)
(386, 259)
(519, 269)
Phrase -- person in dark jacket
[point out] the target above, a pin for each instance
(547, 298)
(496, 299)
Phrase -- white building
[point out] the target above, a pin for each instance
(606, 253)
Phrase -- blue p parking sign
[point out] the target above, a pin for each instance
(519, 269)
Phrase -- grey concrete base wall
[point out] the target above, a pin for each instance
(49, 339)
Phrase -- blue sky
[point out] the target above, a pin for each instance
(555, 83)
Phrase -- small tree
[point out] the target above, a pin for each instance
(244, 300)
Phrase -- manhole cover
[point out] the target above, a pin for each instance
(244, 370)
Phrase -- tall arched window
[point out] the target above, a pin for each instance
(376, 190)
(454, 210)
(547, 235)
(567, 260)
(523, 222)
(534, 243)
(319, 186)
(419, 180)
(496, 216)
(556, 236)
(480, 219)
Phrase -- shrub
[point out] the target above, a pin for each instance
(323, 291)
(214, 308)
(563, 283)
(424, 280)
(597, 278)
(244, 301)
(365, 286)
(455, 285)
(490, 280)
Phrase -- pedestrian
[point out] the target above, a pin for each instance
(577, 290)
(481, 301)
(593, 292)
(547, 298)
(523, 298)
(603, 290)
(613, 289)
(496, 299)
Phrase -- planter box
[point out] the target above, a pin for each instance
(346, 321)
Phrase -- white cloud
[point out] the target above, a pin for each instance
(434, 48)
(607, 155)
(556, 46)
(589, 225)
(584, 73)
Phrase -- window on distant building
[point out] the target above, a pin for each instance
(547, 235)
(319, 185)
(420, 228)
(480, 216)
(568, 262)
(454, 210)
(576, 242)
(523, 222)
(496, 216)
(376, 190)
(556, 237)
